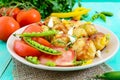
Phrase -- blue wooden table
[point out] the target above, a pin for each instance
(112, 23)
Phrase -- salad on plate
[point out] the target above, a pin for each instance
(60, 43)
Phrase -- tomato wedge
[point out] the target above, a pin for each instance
(42, 41)
(22, 49)
(66, 59)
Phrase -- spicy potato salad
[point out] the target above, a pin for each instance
(59, 42)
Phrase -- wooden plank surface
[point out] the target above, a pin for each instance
(4, 57)
(8, 75)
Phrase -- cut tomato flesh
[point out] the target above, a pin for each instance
(66, 59)
(22, 49)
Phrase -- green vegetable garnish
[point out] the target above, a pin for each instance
(113, 75)
(103, 17)
(38, 34)
(32, 59)
(107, 13)
(107, 36)
(40, 47)
(50, 63)
(78, 63)
(94, 17)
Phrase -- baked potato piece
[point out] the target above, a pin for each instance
(79, 32)
(60, 40)
(55, 20)
(100, 40)
(55, 23)
(89, 28)
(68, 24)
(84, 49)
(45, 28)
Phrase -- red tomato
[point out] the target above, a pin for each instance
(22, 49)
(13, 12)
(66, 59)
(7, 26)
(28, 17)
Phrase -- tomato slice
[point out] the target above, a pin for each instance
(66, 59)
(33, 28)
(22, 49)
(42, 41)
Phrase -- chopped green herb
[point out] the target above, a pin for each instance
(107, 36)
(50, 63)
(78, 63)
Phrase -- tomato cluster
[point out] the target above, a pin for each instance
(12, 19)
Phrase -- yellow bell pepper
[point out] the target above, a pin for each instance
(76, 13)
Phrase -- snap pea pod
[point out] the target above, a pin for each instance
(38, 34)
(113, 75)
(103, 17)
(32, 59)
(95, 16)
(107, 13)
(40, 47)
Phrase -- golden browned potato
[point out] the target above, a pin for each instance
(84, 49)
(60, 27)
(45, 28)
(79, 32)
(60, 40)
(55, 20)
(89, 28)
(100, 40)
(67, 23)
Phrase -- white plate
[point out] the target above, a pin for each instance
(107, 53)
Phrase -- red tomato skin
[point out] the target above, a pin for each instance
(66, 59)
(28, 17)
(13, 12)
(22, 49)
(7, 26)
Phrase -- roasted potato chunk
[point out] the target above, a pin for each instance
(100, 40)
(55, 20)
(84, 49)
(79, 32)
(89, 28)
(60, 40)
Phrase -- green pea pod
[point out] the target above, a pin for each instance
(38, 34)
(107, 13)
(113, 75)
(40, 47)
(32, 59)
(103, 17)
(95, 16)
